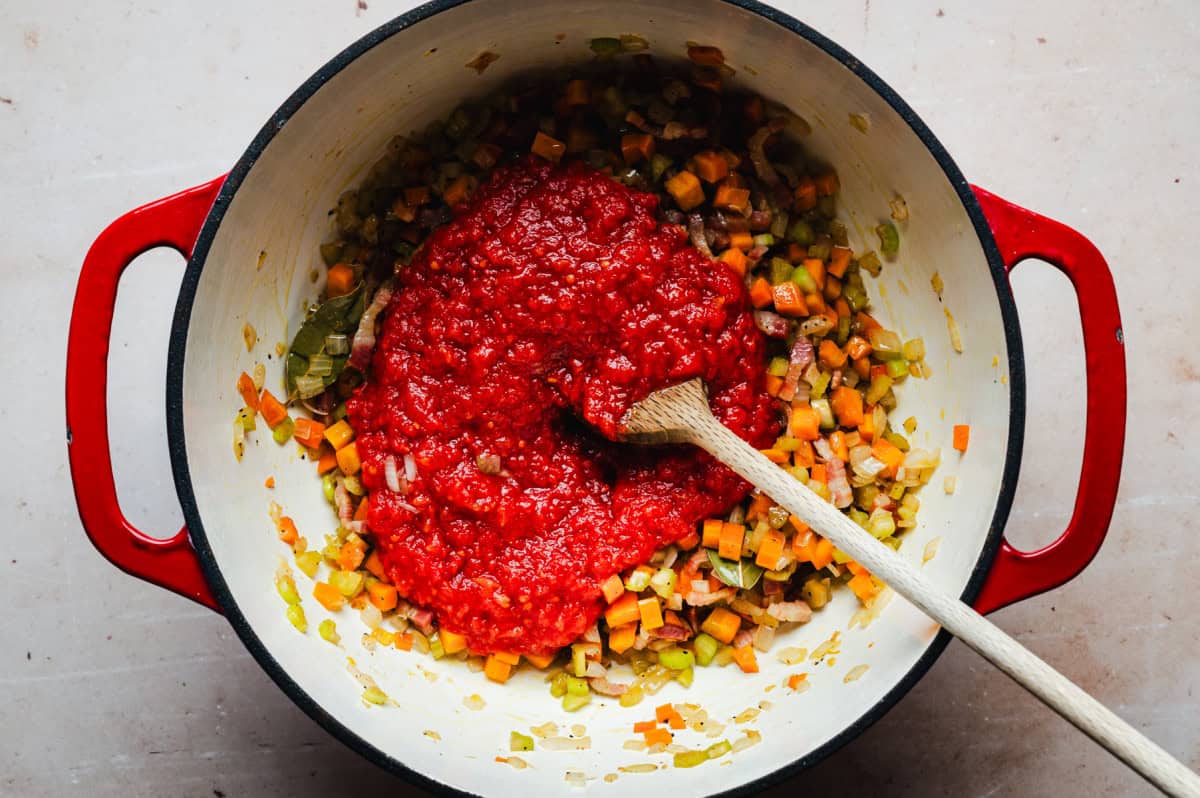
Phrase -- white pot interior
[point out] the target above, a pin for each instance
(401, 84)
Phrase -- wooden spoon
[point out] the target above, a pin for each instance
(680, 414)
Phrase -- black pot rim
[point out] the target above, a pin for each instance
(178, 447)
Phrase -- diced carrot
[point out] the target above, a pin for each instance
(374, 565)
(822, 554)
(805, 423)
(797, 524)
(735, 259)
(612, 588)
(816, 267)
(830, 355)
(804, 545)
(777, 456)
(722, 624)
(863, 367)
(677, 722)
(327, 461)
(866, 429)
(547, 147)
(815, 303)
(818, 473)
(364, 507)
(866, 323)
(385, 598)
(705, 55)
(795, 680)
(352, 553)
(329, 596)
(507, 656)
(339, 434)
(664, 713)
(833, 289)
(804, 456)
(404, 642)
(486, 155)
(245, 386)
(753, 109)
(759, 505)
(308, 433)
(688, 542)
(826, 184)
(644, 726)
(742, 240)
(847, 405)
(269, 482)
(273, 411)
(685, 188)
(732, 538)
(839, 260)
(340, 280)
(637, 147)
(770, 549)
(732, 199)
(773, 384)
(621, 638)
(962, 434)
(887, 453)
(788, 299)
(622, 611)
(805, 194)
(287, 530)
(760, 293)
(495, 669)
(403, 211)
(842, 306)
(416, 196)
(857, 347)
(863, 586)
(837, 442)
(539, 661)
(651, 613)
(458, 191)
(746, 659)
(347, 458)
(711, 529)
(657, 736)
(710, 166)
(855, 568)
(577, 92)
(452, 642)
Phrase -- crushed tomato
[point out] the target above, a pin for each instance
(553, 297)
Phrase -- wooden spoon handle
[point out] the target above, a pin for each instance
(1058, 692)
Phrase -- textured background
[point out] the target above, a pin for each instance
(112, 687)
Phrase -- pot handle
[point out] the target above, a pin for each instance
(173, 222)
(1022, 234)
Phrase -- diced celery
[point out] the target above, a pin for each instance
(780, 271)
(436, 649)
(880, 385)
(777, 516)
(787, 444)
(639, 580)
(663, 582)
(354, 485)
(724, 656)
(308, 386)
(842, 334)
(778, 367)
(825, 411)
(870, 263)
(858, 516)
(914, 349)
(328, 487)
(658, 165)
(764, 240)
(295, 614)
(839, 234)
(574, 703)
(373, 695)
(800, 232)
(840, 557)
(820, 250)
(897, 369)
(718, 750)
(308, 562)
(287, 589)
(886, 345)
(348, 583)
(779, 224)
(558, 685)
(816, 592)
(802, 278)
(520, 742)
(820, 384)
(889, 238)
(881, 524)
(578, 660)
(328, 631)
(856, 297)
(706, 648)
(897, 440)
(676, 658)
(827, 206)
(283, 430)
(577, 686)
(685, 676)
(605, 46)
(320, 365)
(689, 759)
(897, 492)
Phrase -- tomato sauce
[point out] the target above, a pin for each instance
(516, 340)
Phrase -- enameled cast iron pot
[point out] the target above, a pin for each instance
(399, 78)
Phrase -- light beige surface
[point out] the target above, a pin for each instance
(113, 687)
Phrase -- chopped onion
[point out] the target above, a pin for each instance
(391, 475)
(410, 467)
(260, 376)
(308, 386)
(407, 506)
(371, 616)
(595, 671)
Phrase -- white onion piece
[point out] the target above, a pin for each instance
(410, 467)
(391, 474)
